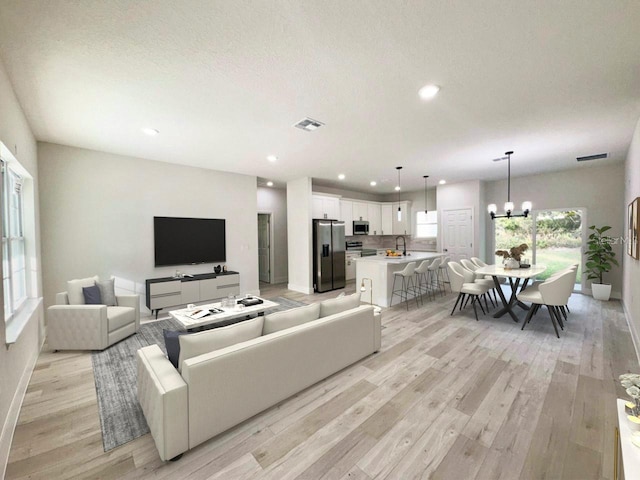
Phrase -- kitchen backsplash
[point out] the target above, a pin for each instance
(389, 241)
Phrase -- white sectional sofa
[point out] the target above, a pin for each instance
(214, 391)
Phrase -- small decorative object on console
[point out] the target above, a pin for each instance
(217, 269)
(250, 301)
(631, 381)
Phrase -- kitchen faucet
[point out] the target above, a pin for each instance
(404, 245)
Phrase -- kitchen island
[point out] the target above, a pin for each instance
(380, 270)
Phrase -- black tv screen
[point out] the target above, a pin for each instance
(183, 241)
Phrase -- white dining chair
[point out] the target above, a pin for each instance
(482, 279)
(463, 283)
(552, 293)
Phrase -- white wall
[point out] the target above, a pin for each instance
(371, 197)
(631, 266)
(17, 360)
(463, 195)
(299, 235)
(98, 209)
(274, 201)
(598, 189)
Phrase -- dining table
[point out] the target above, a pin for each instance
(518, 280)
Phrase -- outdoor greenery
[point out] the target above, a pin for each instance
(558, 239)
(600, 254)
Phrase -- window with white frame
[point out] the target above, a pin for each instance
(427, 224)
(14, 275)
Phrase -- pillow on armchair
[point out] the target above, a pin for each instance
(92, 295)
(74, 289)
(107, 292)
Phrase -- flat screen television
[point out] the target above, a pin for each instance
(185, 241)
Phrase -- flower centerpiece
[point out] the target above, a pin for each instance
(511, 258)
(631, 381)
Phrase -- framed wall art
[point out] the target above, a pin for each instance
(633, 223)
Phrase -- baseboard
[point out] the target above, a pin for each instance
(635, 338)
(280, 280)
(9, 427)
(299, 288)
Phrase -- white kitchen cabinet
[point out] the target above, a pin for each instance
(346, 215)
(360, 211)
(325, 206)
(402, 226)
(386, 219)
(374, 216)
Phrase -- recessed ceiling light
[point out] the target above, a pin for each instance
(272, 158)
(341, 176)
(397, 189)
(442, 182)
(428, 92)
(150, 131)
(373, 183)
(269, 184)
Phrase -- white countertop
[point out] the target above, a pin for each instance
(411, 257)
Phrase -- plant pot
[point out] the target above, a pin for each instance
(601, 291)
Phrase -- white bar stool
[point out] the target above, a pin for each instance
(408, 285)
(421, 276)
(433, 276)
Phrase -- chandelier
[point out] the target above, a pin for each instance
(508, 205)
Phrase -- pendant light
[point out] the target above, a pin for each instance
(508, 206)
(425, 193)
(398, 189)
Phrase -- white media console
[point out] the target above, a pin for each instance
(172, 292)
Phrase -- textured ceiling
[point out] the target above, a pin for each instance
(225, 81)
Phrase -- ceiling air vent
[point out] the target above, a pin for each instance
(308, 124)
(597, 156)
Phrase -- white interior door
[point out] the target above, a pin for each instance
(457, 233)
(263, 247)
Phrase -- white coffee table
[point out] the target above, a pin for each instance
(181, 316)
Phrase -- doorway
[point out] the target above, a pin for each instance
(457, 233)
(264, 247)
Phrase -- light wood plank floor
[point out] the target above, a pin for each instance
(445, 398)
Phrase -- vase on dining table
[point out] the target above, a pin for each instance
(511, 263)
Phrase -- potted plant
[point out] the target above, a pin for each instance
(600, 259)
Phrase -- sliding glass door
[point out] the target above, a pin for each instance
(554, 237)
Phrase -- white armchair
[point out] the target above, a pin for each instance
(91, 327)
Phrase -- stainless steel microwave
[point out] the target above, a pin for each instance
(360, 227)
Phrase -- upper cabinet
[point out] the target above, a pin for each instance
(374, 216)
(360, 211)
(346, 215)
(402, 226)
(325, 206)
(386, 219)
(382, 217)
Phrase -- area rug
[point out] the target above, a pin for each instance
(114, 369)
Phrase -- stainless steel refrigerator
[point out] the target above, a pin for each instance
(328, 255)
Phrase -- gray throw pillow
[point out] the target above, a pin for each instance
(92, 295)
(107, 292)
